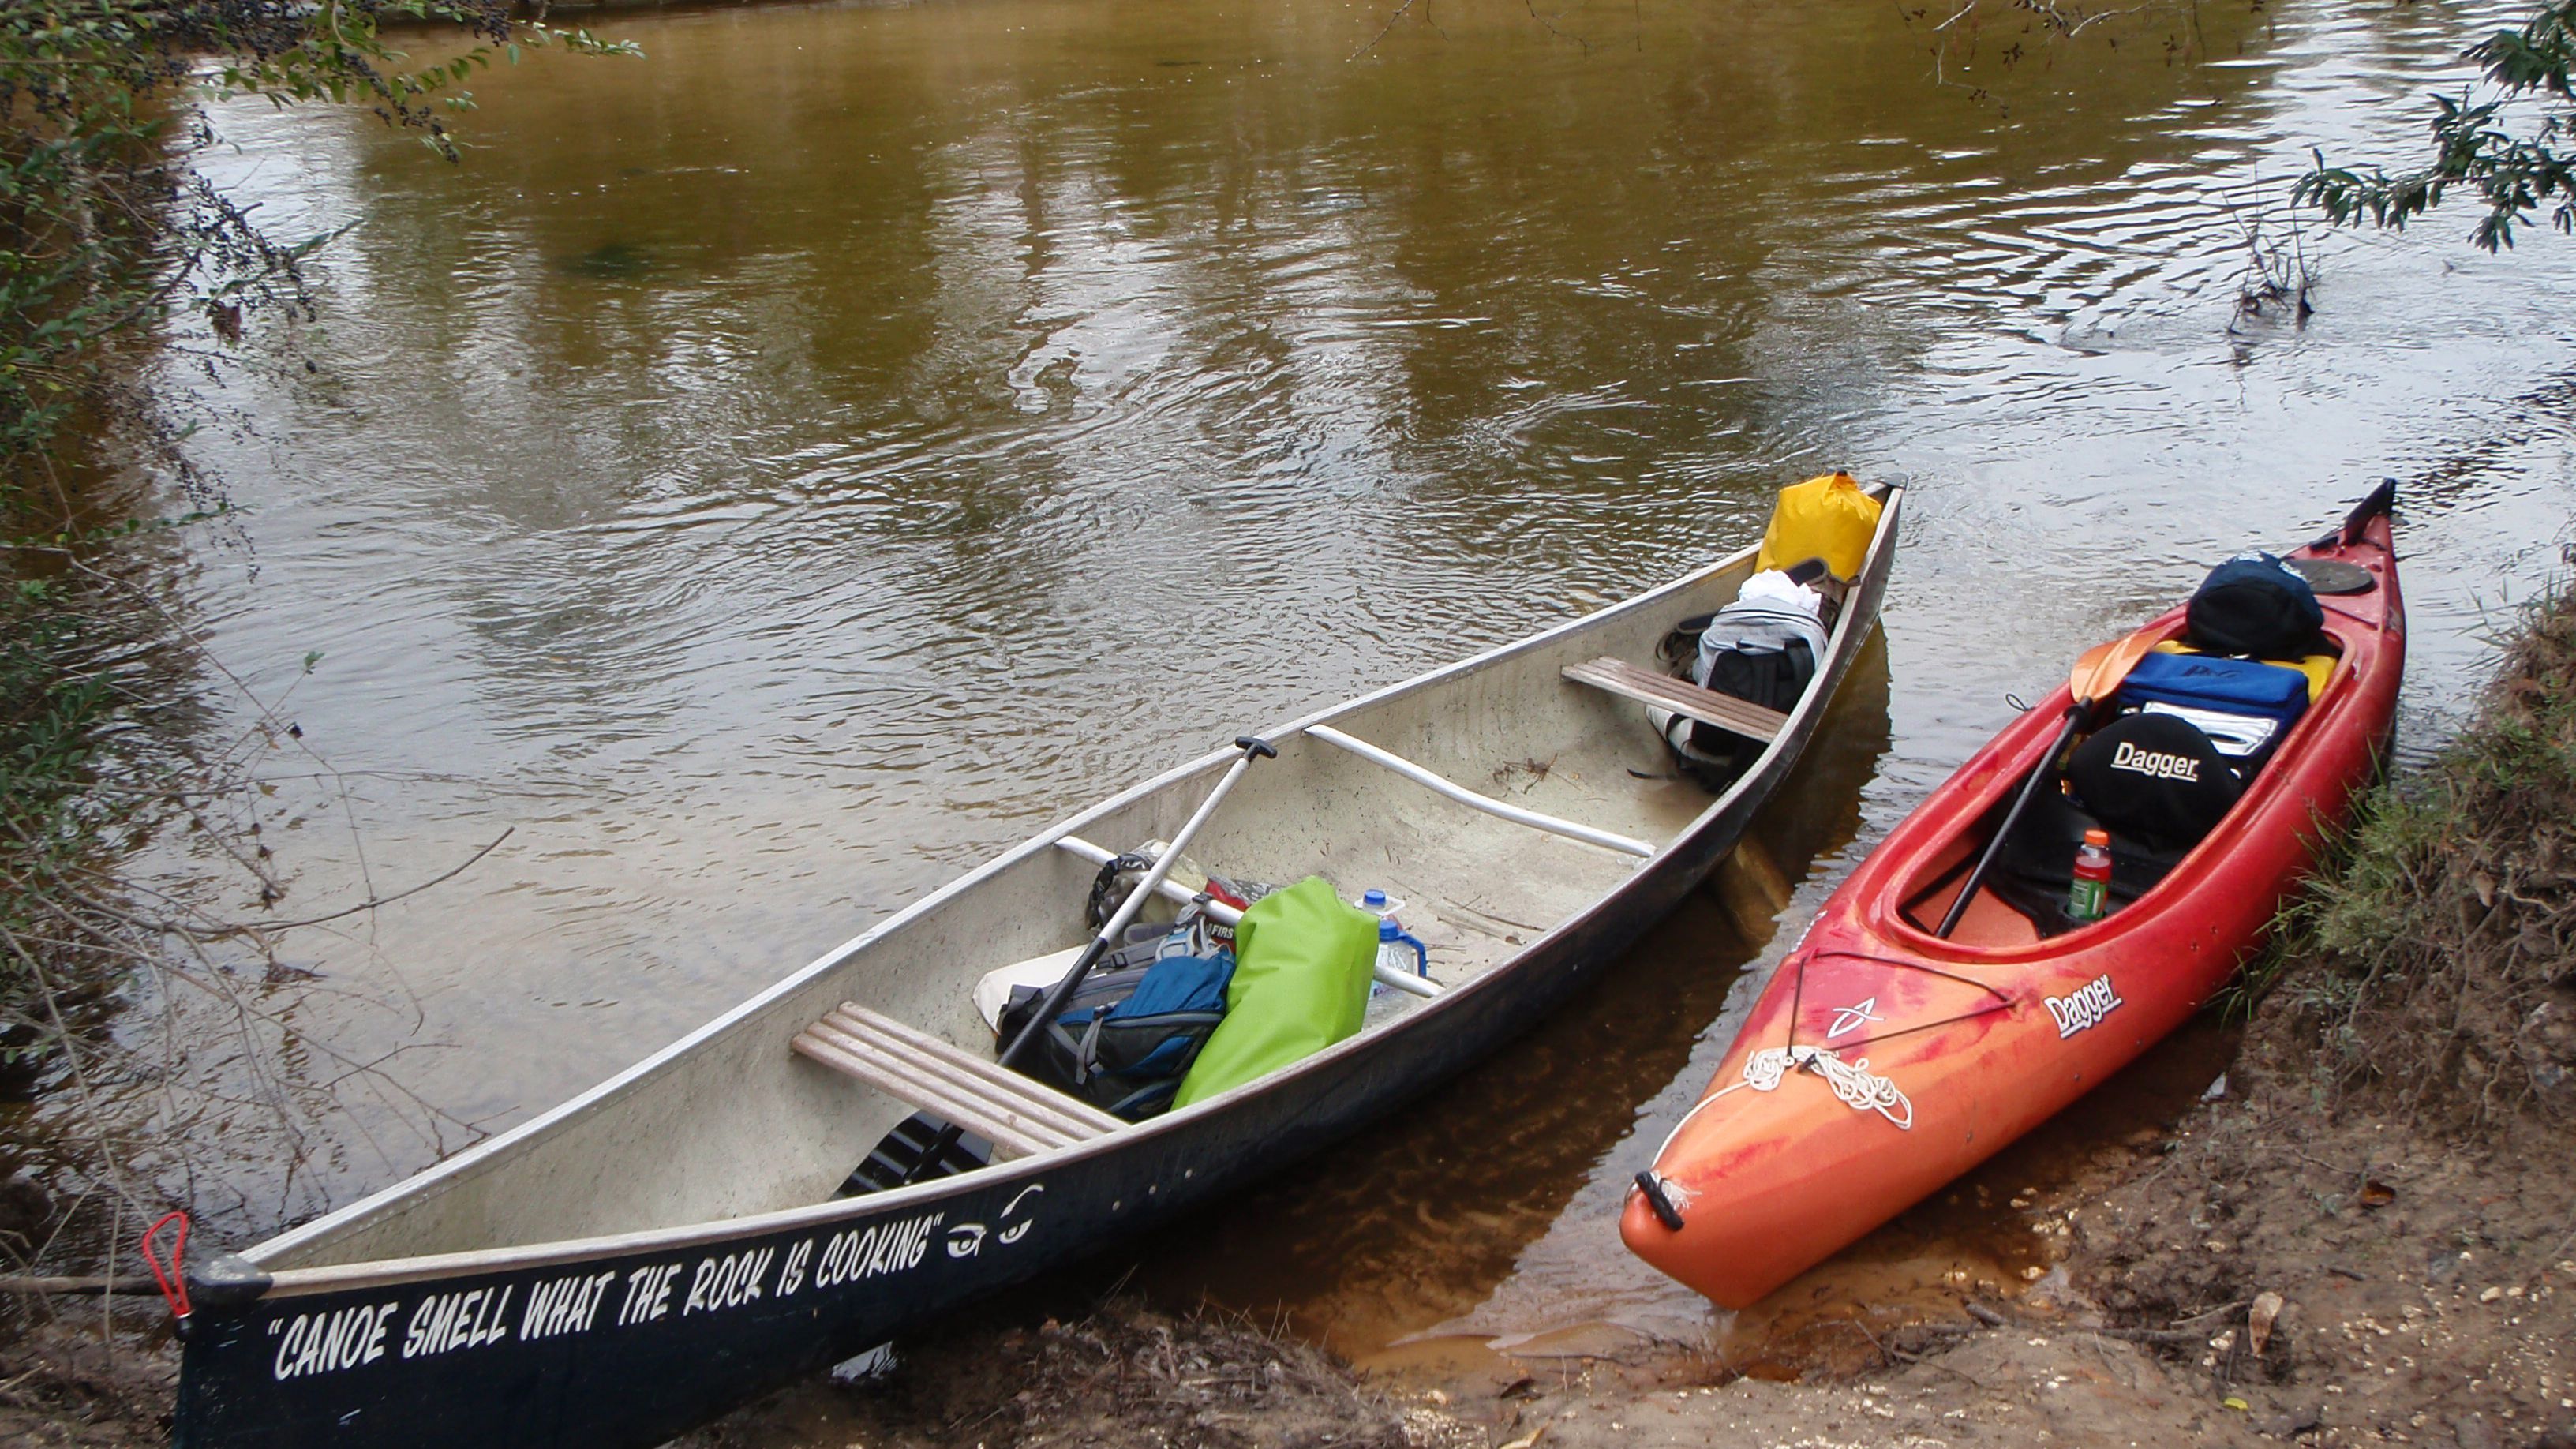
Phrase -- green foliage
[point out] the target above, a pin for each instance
(48, 710)
(2419, 959)
(2514, 176)
(51, 715)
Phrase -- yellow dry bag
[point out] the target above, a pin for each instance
(1828, 518)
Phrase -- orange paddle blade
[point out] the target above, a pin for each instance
(2103, 666)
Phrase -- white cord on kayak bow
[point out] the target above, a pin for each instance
(1860, 1089)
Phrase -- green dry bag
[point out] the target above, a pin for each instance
(1302, 967)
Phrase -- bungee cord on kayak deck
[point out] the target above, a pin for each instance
(1853, 1082)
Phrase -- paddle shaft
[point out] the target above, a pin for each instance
(1057, 995)
(2075, 714)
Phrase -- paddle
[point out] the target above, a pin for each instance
(1057, 995)
(2093, 678)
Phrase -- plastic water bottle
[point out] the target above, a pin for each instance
(1399, 952)
(1379, 904)
(2088, 896)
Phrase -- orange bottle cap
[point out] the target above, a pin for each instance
(2097, 837)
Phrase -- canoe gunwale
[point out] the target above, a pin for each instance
(1851, 633)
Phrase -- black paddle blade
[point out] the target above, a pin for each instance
(898, 1158)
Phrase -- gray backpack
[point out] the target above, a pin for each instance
(1754, 650)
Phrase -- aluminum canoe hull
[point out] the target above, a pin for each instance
(629, 1338)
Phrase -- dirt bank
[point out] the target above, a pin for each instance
(64, 1382)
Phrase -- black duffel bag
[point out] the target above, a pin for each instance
(2256, 606)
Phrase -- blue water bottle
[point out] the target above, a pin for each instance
(1399, 952)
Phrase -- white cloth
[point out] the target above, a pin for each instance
(1774, 587)
(994, 991)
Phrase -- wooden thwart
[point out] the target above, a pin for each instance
(1736, 716)
(1020, 1116)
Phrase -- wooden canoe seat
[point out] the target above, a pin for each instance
(1020, 1116)
(1736, 716)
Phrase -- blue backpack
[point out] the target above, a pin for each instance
(1127, 1036)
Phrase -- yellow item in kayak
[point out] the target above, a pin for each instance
(1828, 518)
(2317, 667)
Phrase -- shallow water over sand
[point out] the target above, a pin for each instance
(770, 476)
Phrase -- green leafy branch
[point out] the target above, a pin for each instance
(341, 56)
(2514, 176)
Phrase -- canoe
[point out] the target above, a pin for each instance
(1882, 1061)
(685, 1235)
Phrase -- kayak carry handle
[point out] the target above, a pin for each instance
(2381, 500)
(1656, 1198)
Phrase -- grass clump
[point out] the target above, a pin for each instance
(2433, 962)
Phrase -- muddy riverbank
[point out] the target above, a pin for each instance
(2416, 1281)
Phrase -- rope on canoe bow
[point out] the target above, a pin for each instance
(173, 1280)
(1853, 1082)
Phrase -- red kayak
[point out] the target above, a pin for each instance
(1884, 1060)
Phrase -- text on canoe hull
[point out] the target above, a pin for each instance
(447, 1321)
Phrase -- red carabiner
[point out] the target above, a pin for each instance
(174, 1285)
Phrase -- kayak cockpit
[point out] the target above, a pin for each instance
(2023, 898)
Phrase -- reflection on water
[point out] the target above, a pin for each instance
(771, 475)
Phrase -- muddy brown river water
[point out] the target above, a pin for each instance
(771, 475)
